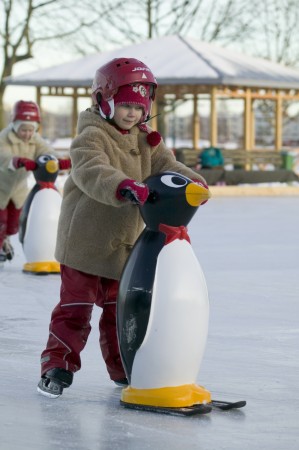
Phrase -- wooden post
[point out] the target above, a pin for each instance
(75, 112)
(252, 144)
(195, 124)
(213, 118)
(247, 119)
(38, 101)
(278, 124)
(38, 96)
(154, 120)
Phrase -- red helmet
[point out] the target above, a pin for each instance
(121, 72)
(26, 111)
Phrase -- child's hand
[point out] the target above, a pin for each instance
(18, 162)
(131, 190)
(201, 183)
(64, 164)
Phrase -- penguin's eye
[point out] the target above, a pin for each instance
(44, 158)
(173, 181)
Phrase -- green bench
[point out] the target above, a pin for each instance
(242, 163)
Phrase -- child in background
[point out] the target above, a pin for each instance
(112, 154)
(20, 145)
(211, 158)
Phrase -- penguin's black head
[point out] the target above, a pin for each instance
(173, 200)
(47, 168)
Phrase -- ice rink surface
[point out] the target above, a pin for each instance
(249, 251)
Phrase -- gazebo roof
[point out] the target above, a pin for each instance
(174, 60)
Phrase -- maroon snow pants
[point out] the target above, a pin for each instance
(70, 323)
(9, 221)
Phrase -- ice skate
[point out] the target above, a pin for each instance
(54, 381)
(121, 383)
(8, 249)
(3, 257)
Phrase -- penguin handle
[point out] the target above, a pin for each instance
(152, 196)
(125, 193)
(33, 169)
(64, 164)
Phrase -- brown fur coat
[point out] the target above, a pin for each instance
(96, 230)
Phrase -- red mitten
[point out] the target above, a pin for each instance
(29, 164)
(131, 190)
(201, 183)
(64, 164)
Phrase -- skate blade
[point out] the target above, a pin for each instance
(226, 406)
(47, 394)
(181, 411)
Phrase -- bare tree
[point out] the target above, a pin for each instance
(224, 21)
(208, 20)
(26, 23)
(275, 26)
(30, 26)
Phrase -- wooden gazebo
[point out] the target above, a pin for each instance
(183, 67)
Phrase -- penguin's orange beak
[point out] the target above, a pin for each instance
(52, 166)
(196, 194)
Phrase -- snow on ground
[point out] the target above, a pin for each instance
(249, 251)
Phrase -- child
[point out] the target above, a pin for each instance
(99, 222)
(20, 145)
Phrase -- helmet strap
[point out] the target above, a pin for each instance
(111, 105)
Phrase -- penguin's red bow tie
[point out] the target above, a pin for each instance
(46, 184)
(173, 233)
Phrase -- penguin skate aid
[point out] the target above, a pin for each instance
(39, 218)
(20, 145)
(163, 306)
(99, 222)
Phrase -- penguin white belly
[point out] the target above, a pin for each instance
(41, 228)
(174, 343)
